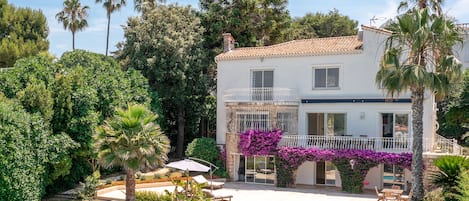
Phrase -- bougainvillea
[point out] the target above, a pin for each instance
(290, 158)
(257, 142)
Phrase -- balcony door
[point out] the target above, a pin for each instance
(328, 124)
(262, 85)
(395, 130)
(325, 173)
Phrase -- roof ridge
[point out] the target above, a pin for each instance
(293, 41)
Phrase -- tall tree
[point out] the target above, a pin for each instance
(73, 17)
(133, 141)
(433, 5)
(252, 22)
(414, 60)
(110, 6)
(23, 33)
(322, 25)
(166, 44)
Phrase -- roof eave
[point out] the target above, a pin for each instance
(222, 57)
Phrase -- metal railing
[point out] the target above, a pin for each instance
(278, 95)
(385, 144)
(445, 145)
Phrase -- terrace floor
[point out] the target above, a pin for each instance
(254, 192)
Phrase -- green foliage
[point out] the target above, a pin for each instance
(73, 96)
(27, 150)
(323, 25)
(165, 44)
(434, 195)
(463, 186)
(203, 148)
(448, 173)
(23, 33)
(133, 141)
(152, 196)
(90, 187)
(352, 178)
(453, 112)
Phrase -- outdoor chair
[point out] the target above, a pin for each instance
(406, 197)
(396, 187)
(213, 197)
(390, 196)
(380, 195)
(199, 179)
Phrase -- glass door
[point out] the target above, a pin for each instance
(260, 169)
(325, 173)
(393, 175)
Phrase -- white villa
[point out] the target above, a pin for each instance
(321, 93)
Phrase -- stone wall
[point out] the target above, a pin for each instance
(232, 141)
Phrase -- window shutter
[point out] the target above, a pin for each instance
(257, 79)
(268, 79)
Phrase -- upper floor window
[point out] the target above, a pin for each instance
(262, 79)
(325, 77)
(262, 85)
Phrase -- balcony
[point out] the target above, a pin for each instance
(262, 95)
(384, 144)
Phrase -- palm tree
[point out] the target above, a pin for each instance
(416, 59)
(435, 5)
(133, 141)
(110, 6)
(140, 5)
(73, 17)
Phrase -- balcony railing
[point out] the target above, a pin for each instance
(385, 144)
(278, 95)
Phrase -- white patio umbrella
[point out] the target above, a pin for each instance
(188, 165)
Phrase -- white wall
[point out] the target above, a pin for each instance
(357, 80)
(305, 173)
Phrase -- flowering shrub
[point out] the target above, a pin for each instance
(256, 142)
(290, 158)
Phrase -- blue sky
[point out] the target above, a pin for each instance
(93, 38)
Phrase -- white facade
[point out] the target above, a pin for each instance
(357, 97)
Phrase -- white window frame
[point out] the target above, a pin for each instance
(327, 66)
(268, 123)
(263, 71)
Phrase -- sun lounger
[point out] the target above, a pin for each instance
(216, 197)
(208, 184)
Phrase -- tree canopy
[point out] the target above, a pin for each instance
(23, 32)
(166, 45)
(72, 96)
(322, 25)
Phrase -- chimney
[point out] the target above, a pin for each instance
(228, 42)
(360, 35)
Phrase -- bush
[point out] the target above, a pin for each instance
(143, 177)
(203, 148)
(151, 196)
(434, 195)
(463, 187)
(121, 178)
(108, 181)
(448, 173)
(90, 186)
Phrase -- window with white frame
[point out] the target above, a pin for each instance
(284, 122)
(256, 121)
(325, 77)
(262, 84)
(262, 79)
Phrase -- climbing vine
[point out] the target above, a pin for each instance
(290, 158)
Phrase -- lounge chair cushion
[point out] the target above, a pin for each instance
(201, 180)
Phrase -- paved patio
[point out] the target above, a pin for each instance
(255, 192)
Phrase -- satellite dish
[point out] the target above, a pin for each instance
(374, 19)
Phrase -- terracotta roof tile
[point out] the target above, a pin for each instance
(306, 47)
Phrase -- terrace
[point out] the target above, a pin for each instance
(382, 144)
